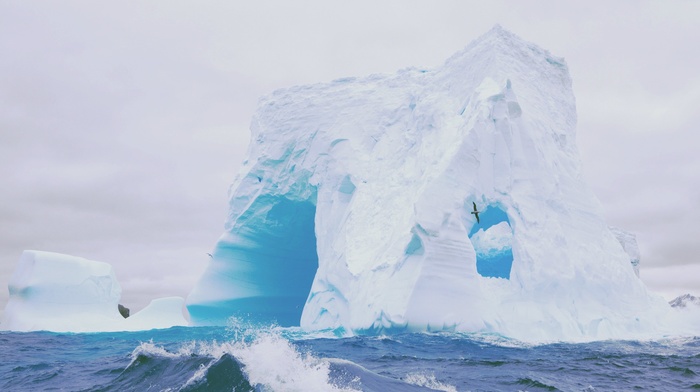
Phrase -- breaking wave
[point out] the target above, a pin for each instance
(255, 360)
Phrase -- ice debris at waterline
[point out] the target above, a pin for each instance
(352, 210)
(61, 293)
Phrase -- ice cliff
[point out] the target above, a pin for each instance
(62, 293)
(352, 211)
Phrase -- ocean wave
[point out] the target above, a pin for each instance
(358, 377)
(267, 358)
(256, 359)
(260, 358)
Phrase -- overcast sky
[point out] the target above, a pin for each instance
(122, 124)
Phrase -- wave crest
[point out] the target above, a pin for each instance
(257, 358)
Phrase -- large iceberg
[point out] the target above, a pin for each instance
(56, 292)
(353, 209)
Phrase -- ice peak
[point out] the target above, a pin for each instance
(540, 80)
(498, 32)
(503, 47)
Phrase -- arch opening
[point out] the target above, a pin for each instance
(263, 269)
(492, 240)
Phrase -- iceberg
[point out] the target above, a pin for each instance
(352, 211)
(685, 315)
(685, 300)
(61, 293)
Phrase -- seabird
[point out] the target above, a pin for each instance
(210, 255)
(476, 212)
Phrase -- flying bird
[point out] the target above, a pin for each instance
(476, 212)
(210, 255)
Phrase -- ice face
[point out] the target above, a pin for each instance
(629, 244)
(62, 293)
(353, 209)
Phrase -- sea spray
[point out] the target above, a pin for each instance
(273, 363)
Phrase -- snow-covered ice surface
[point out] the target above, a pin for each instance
(62, 293)
(352, 211)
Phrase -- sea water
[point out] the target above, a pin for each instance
(283, 359)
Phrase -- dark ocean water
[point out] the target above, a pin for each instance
(228, 359)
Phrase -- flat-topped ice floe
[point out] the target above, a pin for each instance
(62, 293)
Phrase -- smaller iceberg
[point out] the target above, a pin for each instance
(62, 293)
(684, 301)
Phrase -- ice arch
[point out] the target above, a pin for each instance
(388, 161)
(262, 267)
(492, 240)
